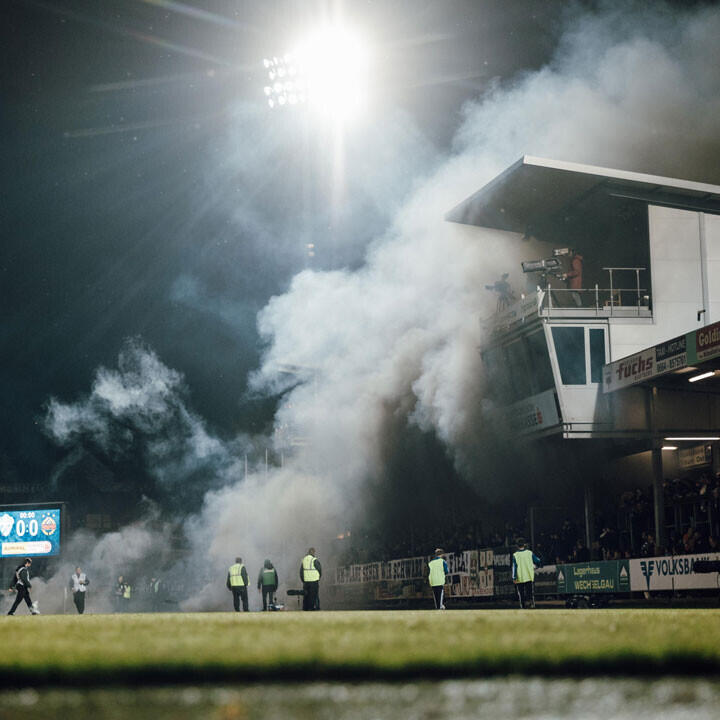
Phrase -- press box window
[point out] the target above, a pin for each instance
(570, 351)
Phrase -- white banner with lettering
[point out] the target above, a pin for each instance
(671, 573)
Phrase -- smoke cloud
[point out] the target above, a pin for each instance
(394, 342)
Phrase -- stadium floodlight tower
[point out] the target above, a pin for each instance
(327, 71)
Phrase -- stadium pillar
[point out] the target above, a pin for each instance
(589, 518)
(657, 472)
(658, 495)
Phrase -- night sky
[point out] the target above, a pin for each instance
(124, 215)
(114, 122)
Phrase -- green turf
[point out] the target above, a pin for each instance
(97, 649)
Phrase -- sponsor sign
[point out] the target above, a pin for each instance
(607, 576)
(707, 342)
(671, 573)
(671, 355)
(694, 456)
(629, 370)
(535, 413)
(684, 350)
(29, 532)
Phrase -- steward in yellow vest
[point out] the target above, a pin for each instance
(310, 574)
(437, 570)
(524, 562)
(237, 582)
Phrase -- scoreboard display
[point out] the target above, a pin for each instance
(30, 532)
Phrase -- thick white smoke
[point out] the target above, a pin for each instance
(630, 88)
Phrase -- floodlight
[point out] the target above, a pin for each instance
(267, 90)
(328, 70)
(271, 102)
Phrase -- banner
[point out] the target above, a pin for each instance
(546, 580)
(538, 412)
(694, 456)
(707, 342)
(608, 576)
(502, 572)
(671, 573)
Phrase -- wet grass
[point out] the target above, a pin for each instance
(212, 647)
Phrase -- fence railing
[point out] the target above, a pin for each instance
(615, 299)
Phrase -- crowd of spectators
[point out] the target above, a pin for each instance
(692, 507)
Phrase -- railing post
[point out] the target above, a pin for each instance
(637, 279)
(549, 297)
(597, 300)
(612, 297)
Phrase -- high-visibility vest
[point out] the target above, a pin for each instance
(268, 576)
(236, 578)
(525, 566)
(127, 592)
(437, 572)
(310, 574)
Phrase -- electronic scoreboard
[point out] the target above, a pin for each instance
(30, 531)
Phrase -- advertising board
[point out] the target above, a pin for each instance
(671, 573)
(546, 580)
(607, 576)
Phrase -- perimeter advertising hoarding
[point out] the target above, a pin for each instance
(502, 572)
(546, 580)
(671, 573)
(30, 532)
(607, 576)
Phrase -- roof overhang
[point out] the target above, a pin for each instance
(534, 189)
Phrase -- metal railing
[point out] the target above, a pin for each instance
(609, 301)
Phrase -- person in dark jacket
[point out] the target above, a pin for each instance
(310, 574)
(268, 583)
(21, 585)
(237, 582)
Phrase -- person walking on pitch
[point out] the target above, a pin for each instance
(437, 570)
(524, 562)
(21, 585)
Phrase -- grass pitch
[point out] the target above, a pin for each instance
(204, 647)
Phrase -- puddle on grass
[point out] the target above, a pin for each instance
(506, 698)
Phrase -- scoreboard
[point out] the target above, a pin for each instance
(30, 532)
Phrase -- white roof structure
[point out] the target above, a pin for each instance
(534, 190)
